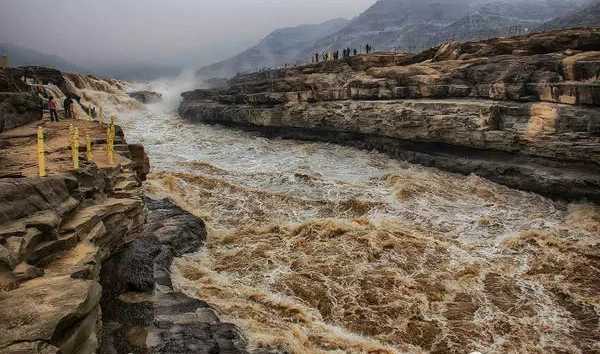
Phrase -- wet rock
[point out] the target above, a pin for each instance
(7, 261)
(24, 272)
(37, 347)
(44, 309)
(17, 109)
(141, 311)
(23, 197)
(146, 97)
(8, 281)
(141, 161)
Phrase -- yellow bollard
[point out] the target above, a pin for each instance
(71, 134)
(88, 143)
(111, 157)
(75, 148)
(41, 153)
(112, 143)
(101, 115)
(107, 138)
(109, 143)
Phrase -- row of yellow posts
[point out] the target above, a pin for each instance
(74, 144)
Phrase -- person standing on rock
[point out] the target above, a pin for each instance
(355, 52)
(68, 104)
(52, 109)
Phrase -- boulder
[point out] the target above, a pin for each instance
(141, 310)
(146, 97)
(141, 162)
(46, 310)
(18, 108)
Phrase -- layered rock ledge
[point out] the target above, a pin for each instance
(84, 255)
(141, 311)
(521, 111)
(55, 233)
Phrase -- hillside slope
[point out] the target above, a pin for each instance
(280, 47)
(414, 25)
(587, 17)
(20, 56)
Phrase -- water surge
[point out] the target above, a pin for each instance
(319, 248)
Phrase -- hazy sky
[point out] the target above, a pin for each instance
(105, 32)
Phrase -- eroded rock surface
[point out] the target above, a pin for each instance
(55, 233)
(141, 311)
(146, 96)
(78, 262)
(521, 111)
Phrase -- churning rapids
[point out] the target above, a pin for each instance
(318, 248)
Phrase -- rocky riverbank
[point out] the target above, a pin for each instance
(84, 255)
(520, 111)
(55, 233)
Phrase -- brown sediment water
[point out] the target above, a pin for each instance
(318, 248)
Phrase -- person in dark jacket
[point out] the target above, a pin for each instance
(68, 105)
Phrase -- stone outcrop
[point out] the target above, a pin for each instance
(18, 109)
(18, 106)
(521, 111)
(85, 264)
(141, 311)
(44, 76)
(84, 256)
(146, 97)
(57, 231)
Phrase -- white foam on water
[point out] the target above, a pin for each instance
(320, 248)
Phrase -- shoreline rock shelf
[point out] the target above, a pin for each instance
(521, 111)
(57, 231)
(84, 255)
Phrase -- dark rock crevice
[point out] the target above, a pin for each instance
(142, 313)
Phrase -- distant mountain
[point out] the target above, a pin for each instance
(20, 56)
(282, 46)
(396, 23)
(409, 25)
(589, 16)
(414, 25)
